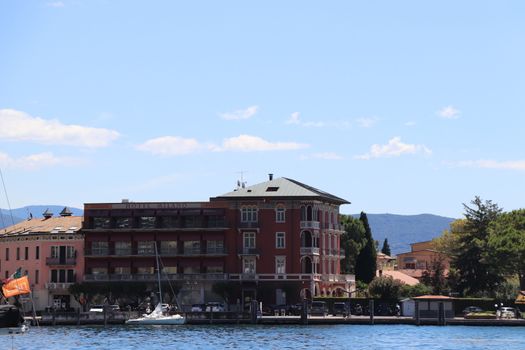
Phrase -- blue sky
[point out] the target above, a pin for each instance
(403, 107)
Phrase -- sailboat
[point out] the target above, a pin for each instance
(157, 316)
(11, 320)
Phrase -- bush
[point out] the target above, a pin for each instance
(385, 287)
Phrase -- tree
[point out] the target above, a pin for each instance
(506, 244)
(366, 262)
(352, 240)
(476, 275)
(435, 277)
(386, 247)
(385, 287)
(414, 291)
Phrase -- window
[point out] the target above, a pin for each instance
(37, 253)
(280, 240)
(99, 248)
(170, 270)
(18, 253)
(123, 222)
(280, 215)
(215, 247)
(189, 270)
(168, 247)
(215, 269)
(26, 253)
(63, 276)
(6, 254)
(216, 221)
(192, 247)
(145, 247)
(249, 240)
(145, 270)
(122, 248)
(170, 222)
(280, 264)
(122, 270)
(99, 270)
(6, 274)
(147, 222)
(249, 214)
(101, 222)
(248, 265)
(37, 276)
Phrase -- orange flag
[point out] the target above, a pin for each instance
(16, 287)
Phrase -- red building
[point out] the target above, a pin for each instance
(277, 241)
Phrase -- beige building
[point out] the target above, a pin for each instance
(420, 259)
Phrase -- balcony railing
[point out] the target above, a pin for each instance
(249, 224)
(315, 225)
(58, 285)
(153, 277)
(310, 251)
(60, 261)
(249, 251)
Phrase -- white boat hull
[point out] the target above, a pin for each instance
(162, 320)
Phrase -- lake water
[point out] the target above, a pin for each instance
(251, 337)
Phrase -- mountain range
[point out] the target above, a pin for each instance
(400, 230)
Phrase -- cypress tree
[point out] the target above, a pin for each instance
(366, 263)
(386, 247)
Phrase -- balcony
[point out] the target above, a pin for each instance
(61, 261)
(249, 251)
(310, 251)
(97, 252)
(249, 224)
(54, 286)
(314, 225)
(153, 277)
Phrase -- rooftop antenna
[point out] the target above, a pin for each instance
(241, 183)
(7, 198)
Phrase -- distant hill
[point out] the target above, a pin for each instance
(401, 230)
(20, 214)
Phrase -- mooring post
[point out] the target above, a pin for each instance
(304, 312)
(371, 310)
(53, 322)
(78, 316)
(417, 312)
(441, 318)
(105, 309)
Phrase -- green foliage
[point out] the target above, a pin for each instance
(435, 277)
(385, 287)
(352, 240)
(366, 262)
(386, 247)
(414, 291)
(476, 275)
(506, 244)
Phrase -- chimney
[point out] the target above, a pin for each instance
(47, 214)
(66, 212)
(270, 176)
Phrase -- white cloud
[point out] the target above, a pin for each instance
(248, 143)
(366, 122)
(240, 114)
(171, 146)
(36, 161)
(449, 112)
(20, 126)
(491, 164)
(394, 148)
(296, 120)
(55, 4)
(323, 155)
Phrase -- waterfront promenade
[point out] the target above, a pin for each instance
(218, 318)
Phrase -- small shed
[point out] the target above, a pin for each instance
(408, 307)
(434, 307)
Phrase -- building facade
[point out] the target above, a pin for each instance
(277, 242)
(420, 259)
(50, 251)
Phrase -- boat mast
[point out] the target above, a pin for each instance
(158, 274)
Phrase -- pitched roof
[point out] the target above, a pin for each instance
(400, 276)
(60, 224)
(282, 187)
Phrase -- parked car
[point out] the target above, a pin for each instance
(318, 308)
(470, 309)
(506, 312)
(198, 308)
(340, 308)
(214, 307)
